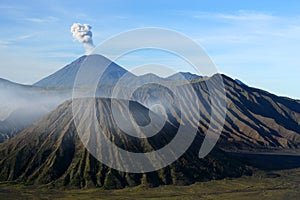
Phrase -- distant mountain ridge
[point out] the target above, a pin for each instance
(65, 77)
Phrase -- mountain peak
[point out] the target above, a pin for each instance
(65, 77)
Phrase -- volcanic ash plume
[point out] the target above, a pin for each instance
(83, 33)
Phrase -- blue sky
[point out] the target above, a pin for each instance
(255, 41)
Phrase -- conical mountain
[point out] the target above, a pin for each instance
(66, 76)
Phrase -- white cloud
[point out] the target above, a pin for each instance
(4, 44)
(42, 20)
(238, 16)
(246, 16)
(13, 41)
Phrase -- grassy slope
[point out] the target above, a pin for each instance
(258, 186)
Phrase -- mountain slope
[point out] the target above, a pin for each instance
(50, 151)
(258, 118)
(255, 119)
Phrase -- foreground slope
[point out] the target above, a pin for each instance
(50, 151)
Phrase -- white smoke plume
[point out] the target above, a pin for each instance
(83, 33)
